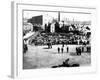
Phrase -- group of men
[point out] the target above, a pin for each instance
(62, 49)
(78, 50)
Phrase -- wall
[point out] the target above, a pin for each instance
(5, 38)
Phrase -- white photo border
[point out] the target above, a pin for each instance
(17, 68)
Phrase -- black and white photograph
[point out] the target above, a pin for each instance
(56, 39)
(50, 40)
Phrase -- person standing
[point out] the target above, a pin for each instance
(58, 50)
(25, 48)
(77, 50)
(67, 49)
(51, 45)
(62, 49)
(87, 49)
(62, 44)
(82, 49)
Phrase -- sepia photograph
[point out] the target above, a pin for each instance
(56, 39)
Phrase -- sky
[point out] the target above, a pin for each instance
(69, 16)
(30, 14)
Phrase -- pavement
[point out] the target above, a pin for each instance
(42, 57)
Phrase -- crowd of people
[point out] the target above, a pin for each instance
(70, 38)
(55, 39)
